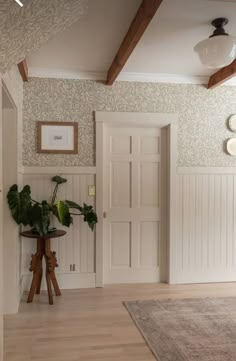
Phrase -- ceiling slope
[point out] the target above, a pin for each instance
(25, 29)
(91, 43)
(164, 53)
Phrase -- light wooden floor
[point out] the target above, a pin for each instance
(90, 324)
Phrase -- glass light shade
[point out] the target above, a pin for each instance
(217, 52)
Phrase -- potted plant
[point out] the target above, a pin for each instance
(29, 212)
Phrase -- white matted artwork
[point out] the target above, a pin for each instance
(57, 137)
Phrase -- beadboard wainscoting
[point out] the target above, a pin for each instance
(206, 225)
(205, 244)
(76, 251)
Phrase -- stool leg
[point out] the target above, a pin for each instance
(53, 264)
(32, 288)
(35, 268)
(40, 276)
(55, 284)
(48, 280)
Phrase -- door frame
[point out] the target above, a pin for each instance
(1, 226)
(11, 253)
(12, 298)
(134, 119)
(5, 86)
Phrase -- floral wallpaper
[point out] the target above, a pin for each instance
(26, 28)
(202, 124)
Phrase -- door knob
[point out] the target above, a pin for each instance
(104, 214)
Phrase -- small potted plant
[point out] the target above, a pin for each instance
(28, 212)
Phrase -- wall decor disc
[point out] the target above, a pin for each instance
(232, 122)
(231, 146)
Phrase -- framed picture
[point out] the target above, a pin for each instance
(57, 137)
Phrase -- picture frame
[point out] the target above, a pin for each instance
(57, 137)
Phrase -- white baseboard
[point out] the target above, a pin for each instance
(117, 276)
(214, 275)
(66, 281)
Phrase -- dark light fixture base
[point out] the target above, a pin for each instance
(219, 24)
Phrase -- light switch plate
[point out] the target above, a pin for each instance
(92, 190)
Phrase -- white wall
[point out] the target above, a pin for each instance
(204, 243)
(14, 87)
(205, 248)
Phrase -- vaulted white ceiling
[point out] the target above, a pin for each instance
(90, 44)
(166, 47)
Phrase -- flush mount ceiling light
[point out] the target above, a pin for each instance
(19, 2)
(219, 49)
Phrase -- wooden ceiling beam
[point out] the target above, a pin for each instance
(146, 11)
(222, 75)
(23, 69)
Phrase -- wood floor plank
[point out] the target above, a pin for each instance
(90, 324)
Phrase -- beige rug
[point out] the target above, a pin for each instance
(189, 329)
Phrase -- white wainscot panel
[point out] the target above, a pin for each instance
(120, 244)
(120, 182)
(149, 244)
(150, 145)
(78, 246)
(149, 187)
(120, 145)
(206, 226)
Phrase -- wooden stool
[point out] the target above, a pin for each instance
(43, 250)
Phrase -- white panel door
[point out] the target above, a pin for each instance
(132, 204)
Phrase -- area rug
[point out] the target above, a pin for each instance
(189, 329)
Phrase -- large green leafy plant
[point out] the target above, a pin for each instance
(29, 212)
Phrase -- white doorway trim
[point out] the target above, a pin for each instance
(1, 227)
(10, 229)
(6, 88)
(8, 94)
(104, 119)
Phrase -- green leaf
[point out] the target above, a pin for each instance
(20, 204)
(63, 214)
(87, 211)
(55, 211)
(40, 220)
(59, 180)
(73, 205)
(89, 216)
(50, 230)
